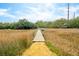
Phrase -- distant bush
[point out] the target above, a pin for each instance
(25, 24)
(59, 23)
(21, 24)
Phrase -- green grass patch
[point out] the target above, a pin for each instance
(14, 48)
(56, 50)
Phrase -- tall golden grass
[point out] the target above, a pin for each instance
(63, 41)
(13, 42)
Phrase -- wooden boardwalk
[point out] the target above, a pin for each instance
(39, 36)
(38, 48)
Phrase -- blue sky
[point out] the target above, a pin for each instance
(12, 12)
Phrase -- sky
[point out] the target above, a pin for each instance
(12, 12)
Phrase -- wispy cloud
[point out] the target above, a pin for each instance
(39, 11)
(5, 13)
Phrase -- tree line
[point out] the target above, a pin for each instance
(21, 24)
(59, 23)
(25, 24)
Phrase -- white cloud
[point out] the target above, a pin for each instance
(64, 11)
(48, 4)
(45, 12)
(41, 12)
(5, 13)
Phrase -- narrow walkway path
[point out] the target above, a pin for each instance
(38, 48)
(39, 36)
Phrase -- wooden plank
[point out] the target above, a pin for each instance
(39, 36)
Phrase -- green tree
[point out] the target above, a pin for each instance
(24, 24)
(60, 23)
(73, 23)
(41, 24)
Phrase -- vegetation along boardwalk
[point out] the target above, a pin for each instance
(38, 48)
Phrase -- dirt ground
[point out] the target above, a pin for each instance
(38, 49)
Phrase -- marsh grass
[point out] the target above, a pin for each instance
(56, 50)
(14, 42)
(64, 42)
